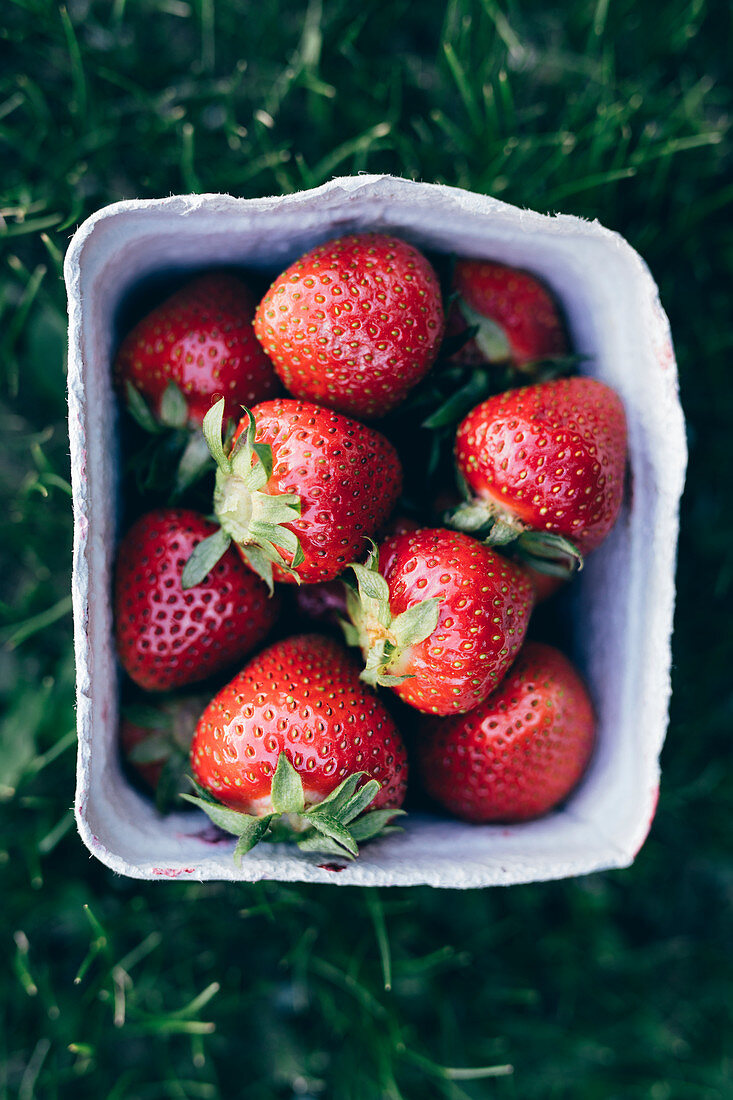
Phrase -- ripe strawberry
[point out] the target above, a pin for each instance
(353, 324)
(201, 340)
(298, 491)
(156, 743)
(168, 637)
(546, 465)
(439, 617)
(297, 734)
(518, 321)
(521, 751)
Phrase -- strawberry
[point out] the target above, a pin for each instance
(156, 743)
(517, 319)
(546, 465)
(298, 491)
(198, 344)
(439, 618)
(353, 324)
(296, 747)
(518, 753)
(168, 637)
(202, 342)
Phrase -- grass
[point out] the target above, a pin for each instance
(615, 986)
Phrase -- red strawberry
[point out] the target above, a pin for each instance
(353, 324)
(299, 490)
(168, 637)
(439, 617)
(296, 733)
(518, 320)
(156, 743)
(521, 751)
(548, 459)
(200, 339)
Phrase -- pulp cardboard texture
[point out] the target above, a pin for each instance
(624, 598)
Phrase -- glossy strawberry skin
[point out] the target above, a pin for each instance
(202, 339)
(168, 637)
(486, 602)
(522, 307)
(348, 478)
(551, 455)
(301, 696)
(353, 324)
(520, 752)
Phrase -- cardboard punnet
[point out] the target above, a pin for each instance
(624, 598)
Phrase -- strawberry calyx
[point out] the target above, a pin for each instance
(334, 826)
(494, 344)
(248, 515)
(490, 338)
(175, 433)
(173, 412)
(485, 520)
(384, 639)
(549, 553)
(496, 526)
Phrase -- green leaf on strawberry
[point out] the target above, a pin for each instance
(443, 622)
(332, 826)
(253, 519)
(297, 737)
(384, 637)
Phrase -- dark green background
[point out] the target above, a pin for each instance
(613, 986)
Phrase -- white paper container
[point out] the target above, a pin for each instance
(625, 595)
